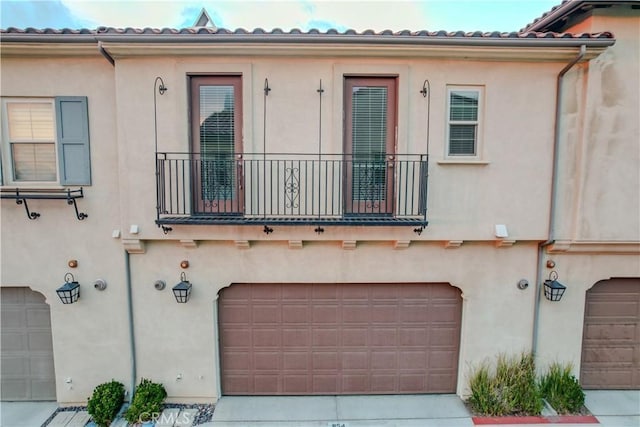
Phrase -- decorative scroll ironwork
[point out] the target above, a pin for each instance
(292, 187)
(21, 197)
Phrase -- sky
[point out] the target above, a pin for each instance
(378, 15)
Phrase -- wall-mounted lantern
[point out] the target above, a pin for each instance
(182, 290)
(553, 290)
(70, 291)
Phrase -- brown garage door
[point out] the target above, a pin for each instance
(611, 338)
(26, 347)
(339, 338)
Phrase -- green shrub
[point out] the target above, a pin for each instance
(146, 402)
(562, 390)
(105, 402)
(512, 390)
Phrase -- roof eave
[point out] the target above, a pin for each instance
(566, 9)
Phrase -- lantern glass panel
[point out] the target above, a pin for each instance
(182, 291)
(553, 290)
(69, 292)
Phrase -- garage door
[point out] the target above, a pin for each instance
(27, 352)
(299, 339)
(611, 339)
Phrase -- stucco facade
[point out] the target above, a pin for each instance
(595, 230)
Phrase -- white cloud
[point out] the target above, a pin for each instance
(285, 14)
(135, 13)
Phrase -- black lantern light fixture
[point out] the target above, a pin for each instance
(70, 291)
(553, 290)
(182, 290)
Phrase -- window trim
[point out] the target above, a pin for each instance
(478, 155)
(7, 172)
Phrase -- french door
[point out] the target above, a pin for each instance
(370, 133)
(216, 144)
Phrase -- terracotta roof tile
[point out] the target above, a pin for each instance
(206, 31)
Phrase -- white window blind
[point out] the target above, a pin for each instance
(31, 128)
(369, 138)
(463, 122)
(217, 138)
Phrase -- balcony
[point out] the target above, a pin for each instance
(291, 189)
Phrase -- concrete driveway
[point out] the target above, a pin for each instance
(611, 408)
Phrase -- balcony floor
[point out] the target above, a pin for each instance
(241, 220)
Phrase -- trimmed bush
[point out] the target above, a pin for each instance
(511, 390)
(562, 390)
(146, 403)
(105, 402)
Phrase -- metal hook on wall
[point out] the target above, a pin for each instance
(425, 88)
(267, 89)
(162, 88)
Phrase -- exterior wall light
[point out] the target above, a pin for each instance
(182, 290)
(553, 290)
(100, 284)
(70, 291)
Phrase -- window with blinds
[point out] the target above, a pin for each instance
(32, 140)
(463, 122)
(369, 142)
(217, 141)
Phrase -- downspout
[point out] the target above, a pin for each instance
(554, 192)
(132, 337)
(104, 53)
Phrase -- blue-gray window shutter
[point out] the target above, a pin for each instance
(72, 121)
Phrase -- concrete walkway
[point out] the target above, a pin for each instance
(611, 408)
(341, 411)
(25, 414)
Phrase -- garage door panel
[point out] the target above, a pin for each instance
(326, 360)
(340, 339)
(38, 317)
(15, 367)
(295, 361)
(324, 292)
(236, 360)
(40, 341)
(384, 383)
(295, 384)
(352, 337)
(13, 316)
(325, 337)
(295, 337)
(611, 335)
(411, 383)
(443, 360)
(26, 346)
(43, 389)
(17, 341)
(325, 314)
(384, 337)
(607, 308)
(266, 338)
(295, 314)
(325, 384)
(15, 389)
(610, 331)
(266, 384)
(610, 356)
(236, 337)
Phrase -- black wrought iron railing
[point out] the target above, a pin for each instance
(210, 188)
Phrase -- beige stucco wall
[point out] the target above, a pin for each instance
(600, 139)
(90, 338)
(517, 134)
(599, 198)
(466, 200)
(177, 339)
